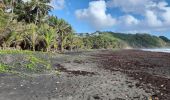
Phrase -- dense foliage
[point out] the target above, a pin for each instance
(106, 40)
(28, 26)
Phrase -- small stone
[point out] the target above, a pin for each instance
(57, 82)
(15, 88)
(162, 85)
(21, 85)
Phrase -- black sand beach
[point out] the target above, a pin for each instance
(92, 75)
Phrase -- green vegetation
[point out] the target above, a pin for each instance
(164, 39)
(4, 68)
(24, 62)
(107, 40)
(28, 26)
(33, 61)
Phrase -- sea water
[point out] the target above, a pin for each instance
(167, 50)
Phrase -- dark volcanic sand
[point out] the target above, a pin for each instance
(94, 75)
(151, 69)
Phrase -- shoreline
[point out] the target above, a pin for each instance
(90, 75)
(149, 68)
(165, 50)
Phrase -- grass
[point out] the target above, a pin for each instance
(16, 51)
(34, 61)
(10, 51)
(4, 68)
(28, 62)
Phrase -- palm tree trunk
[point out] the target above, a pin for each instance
(62, 46)
(48, 47)
(34, 48)
(12, 9)
(33, 45)
(37, 16)
(62, 36)
(71, 48)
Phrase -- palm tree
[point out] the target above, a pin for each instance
(10, 4)
(63, 30)
(40, 8)
(33, 36)
(2, 5)
(3, 20)
(77, 42)
(16, 39)
(33, 11)
(17, 34)
(49, 35)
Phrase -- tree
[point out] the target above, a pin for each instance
(28, 23)
(33, 36)
(164, 38)
(32, 12)
(2, 5)
(49, 35)
(40, 8)
(77, 42)
(3, 20)
(17, 35)
(63, 30)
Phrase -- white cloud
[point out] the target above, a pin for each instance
(96, 15)
(139, 15)
(154, 15)
(166, 14)
(128, 20)
(58, 4)
(135, 6)
(152, 19)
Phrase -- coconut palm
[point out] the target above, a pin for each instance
(40, 8)
(3, 20)
(15, 40)
(2, 5)
(12, 35)
(33, 11)
(17, 34)
(10, 4)
(49, 35)
(32, 36)
(63, 30)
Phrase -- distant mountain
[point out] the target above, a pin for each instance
(98, 40)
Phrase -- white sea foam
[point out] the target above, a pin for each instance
(167, 50)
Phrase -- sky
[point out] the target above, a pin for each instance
(126, 16)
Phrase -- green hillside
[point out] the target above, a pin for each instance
(100, 40)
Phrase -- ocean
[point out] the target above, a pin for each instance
(167, 50)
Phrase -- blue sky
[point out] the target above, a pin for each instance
(129, 16)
